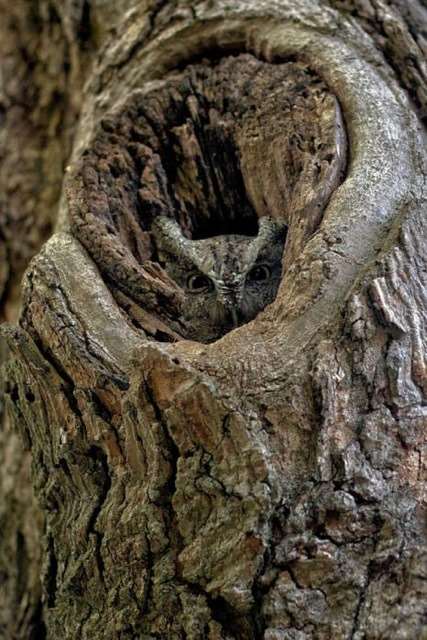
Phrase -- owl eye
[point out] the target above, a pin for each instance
(259, 273)
(198, 283)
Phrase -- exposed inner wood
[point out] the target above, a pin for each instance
(215, 146)
(269, 485)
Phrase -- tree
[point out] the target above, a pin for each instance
(268, 485)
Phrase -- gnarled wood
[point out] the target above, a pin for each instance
(269, 485)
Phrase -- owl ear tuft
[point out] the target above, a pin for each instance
(168, 235)
(271, 229)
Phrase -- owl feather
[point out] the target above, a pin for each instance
(226, 279)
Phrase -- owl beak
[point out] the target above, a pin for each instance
(229, 301)
(231, 307)
(234, 316)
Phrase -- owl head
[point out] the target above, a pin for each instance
(226, 279)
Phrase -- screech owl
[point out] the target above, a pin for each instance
(227, 279)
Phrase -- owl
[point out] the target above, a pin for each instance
(226, 279)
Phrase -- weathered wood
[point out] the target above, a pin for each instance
(269, 485)
(213, 147)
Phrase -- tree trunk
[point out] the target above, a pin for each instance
(268, 484)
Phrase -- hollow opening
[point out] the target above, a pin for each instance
(217, 225)
(216, 147)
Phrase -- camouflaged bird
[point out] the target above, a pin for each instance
(226, 279)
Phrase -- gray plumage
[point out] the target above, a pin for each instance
(227, 279)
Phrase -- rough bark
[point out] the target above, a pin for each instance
(269, 485)
(45, 50)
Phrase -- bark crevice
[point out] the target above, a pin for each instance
(269, 484)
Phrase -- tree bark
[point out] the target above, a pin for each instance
(270, 484)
